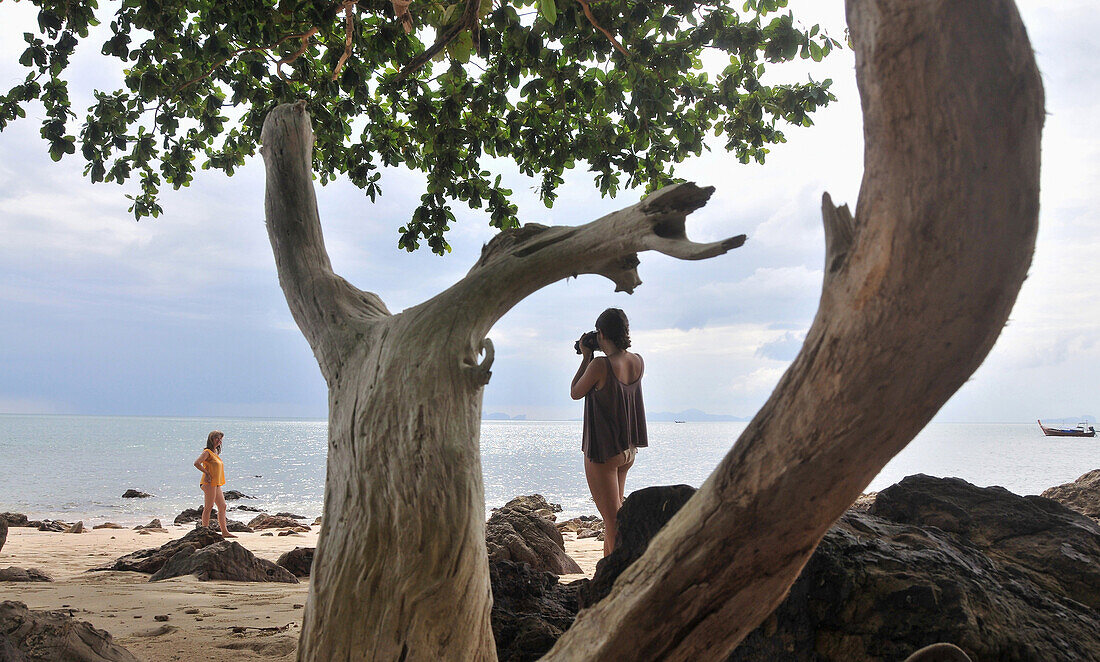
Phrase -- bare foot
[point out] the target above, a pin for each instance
(226, 534)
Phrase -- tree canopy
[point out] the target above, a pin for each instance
(437, 86)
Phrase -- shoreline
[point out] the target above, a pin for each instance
(212, 620)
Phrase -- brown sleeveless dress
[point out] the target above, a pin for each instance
(614, 418)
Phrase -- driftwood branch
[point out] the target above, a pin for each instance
(328, 310)
(917, 288)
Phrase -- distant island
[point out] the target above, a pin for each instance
(499, 416)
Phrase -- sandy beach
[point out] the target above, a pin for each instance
(206, 620)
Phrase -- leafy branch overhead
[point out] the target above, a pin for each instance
(615, 85)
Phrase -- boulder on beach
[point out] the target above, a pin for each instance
(52, 526)
(76, 528)
(233, 495)
(14, 519)
(135, 494)
(531, 609)
(533, 503)
(299, 561)
(13, 574)
(1003, 577)
(249, 509)
(1082, 495)
(189, 515)
(3, 533)
(290, 515)
(227, 560)
(231, 525)
(107, 525)
(40, 635)
(265, 521)
(521, 535)
(641, 516)
(153, 524)
(151, 560)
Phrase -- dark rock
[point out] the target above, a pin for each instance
(14, 519)
(530, 610)
(533, 503)
(153, 524)
(231, 525)
(3, 533)
(1001, 576)
(290, 515)
(161, 617)
(317, 522)
(233, 495)
(642, 515)
(54, 636)
(194, 515)
(275, 522)
(107, 525)
(13, 574)
(223, 561)
(288, 532)
(76, 528)
(582, 523)
(248, 509)
(521, 535)
(1082, 495)
(298, 561)
(151, 560)
(53, 526)
(135, 494)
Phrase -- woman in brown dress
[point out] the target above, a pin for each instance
(614, 416)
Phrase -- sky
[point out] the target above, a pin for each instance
(183, 316)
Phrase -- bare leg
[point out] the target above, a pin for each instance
(221, 511)
(207, 503)
(603, 482)
(622, 477)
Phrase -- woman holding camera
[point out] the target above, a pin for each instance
(614, 417)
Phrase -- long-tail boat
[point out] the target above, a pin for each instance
(1082, 430)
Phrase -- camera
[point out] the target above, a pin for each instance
(589, 340)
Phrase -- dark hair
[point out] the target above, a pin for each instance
(213, 440)
(615, 327)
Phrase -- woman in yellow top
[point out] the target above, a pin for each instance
(213, 477)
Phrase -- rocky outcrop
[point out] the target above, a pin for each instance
(521, 535)
(153, 524)
(76, 528)
(1002, 576)
(3, 533)
(151, 560)
(52, 526)
(1082, 495)
(299, 561)
(290, 515)
(135, 494)
(231, 525)
(14, 519)
(276, 522)
(531, 609)
(248, 509)
(642, 515)
(585, 526)
(189, 515)
(227, 560)
(233, 495)
(533, 503)
(107, 525)
(13, 574)
(51, 636)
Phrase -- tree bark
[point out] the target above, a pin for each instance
(400, 571)
(917, 288)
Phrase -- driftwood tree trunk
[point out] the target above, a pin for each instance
(917, 288)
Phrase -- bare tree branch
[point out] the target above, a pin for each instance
(917, 288)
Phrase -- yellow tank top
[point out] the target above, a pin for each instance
(213, 465)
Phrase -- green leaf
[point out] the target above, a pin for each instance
(548, 9)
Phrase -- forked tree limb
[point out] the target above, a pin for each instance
(917, 288)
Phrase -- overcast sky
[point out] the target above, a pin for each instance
(183, 315)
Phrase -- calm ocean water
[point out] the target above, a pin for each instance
(77, 467)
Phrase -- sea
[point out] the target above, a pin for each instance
(77, 467)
